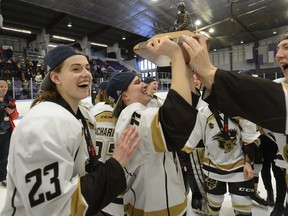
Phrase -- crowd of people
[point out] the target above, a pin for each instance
(121, 156)
(27, 70)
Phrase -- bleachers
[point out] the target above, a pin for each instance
(18, 92)
(116, 65)
(9, 60)
(31, 62)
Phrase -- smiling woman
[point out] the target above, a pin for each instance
(58, 171)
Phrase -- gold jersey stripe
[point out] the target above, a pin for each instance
(187, 149)
(285, 86)
(175, 210)
(105, 116)
(78, 205)
(157, 137)
(216, 204)
(246, 208)
(231, 166)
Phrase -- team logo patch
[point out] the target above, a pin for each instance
(226, 141)
(210, 183)
(285, 152)
(211, 125)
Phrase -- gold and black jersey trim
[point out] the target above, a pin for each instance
(78, 206)
(175, 210)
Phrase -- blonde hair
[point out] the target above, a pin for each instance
(102, 97)
(4, 82)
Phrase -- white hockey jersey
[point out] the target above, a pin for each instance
(105, 126)
(52, 165)
(154, 176)
(63, 160)
(281, 139)
(223, 159)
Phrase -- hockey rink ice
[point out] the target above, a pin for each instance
(226, 209)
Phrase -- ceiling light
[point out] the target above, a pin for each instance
(242, 42)
(69, 24)
(274, 32)
(123, 38)
(198, 22)
(211, 30)
(52, 45)
(98, 44)
(62, 38)
(17, 30)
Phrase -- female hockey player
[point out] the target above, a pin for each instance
(52, 168)
(153, 174)
(229, 147)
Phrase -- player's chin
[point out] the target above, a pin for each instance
(84, 94)
(146, 95)
(147, 98)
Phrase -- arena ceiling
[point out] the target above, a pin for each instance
(107, 21)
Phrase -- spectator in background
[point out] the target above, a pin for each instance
(19, 69)
(38, 78)
(9, 113)
(25, 88)
(22, 76)
(42, 70)
(14, 59)
(105, 72)
(28, 74)
(7, 74)
(10, 87)
(9, 53)
(34, 67)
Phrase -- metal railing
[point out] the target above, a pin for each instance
(19, 92)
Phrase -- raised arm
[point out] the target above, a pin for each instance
(196, 46)
(176, 110)
(258, 100)
(180, 75)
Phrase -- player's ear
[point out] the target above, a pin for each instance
(125, 96)
(54, 77)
